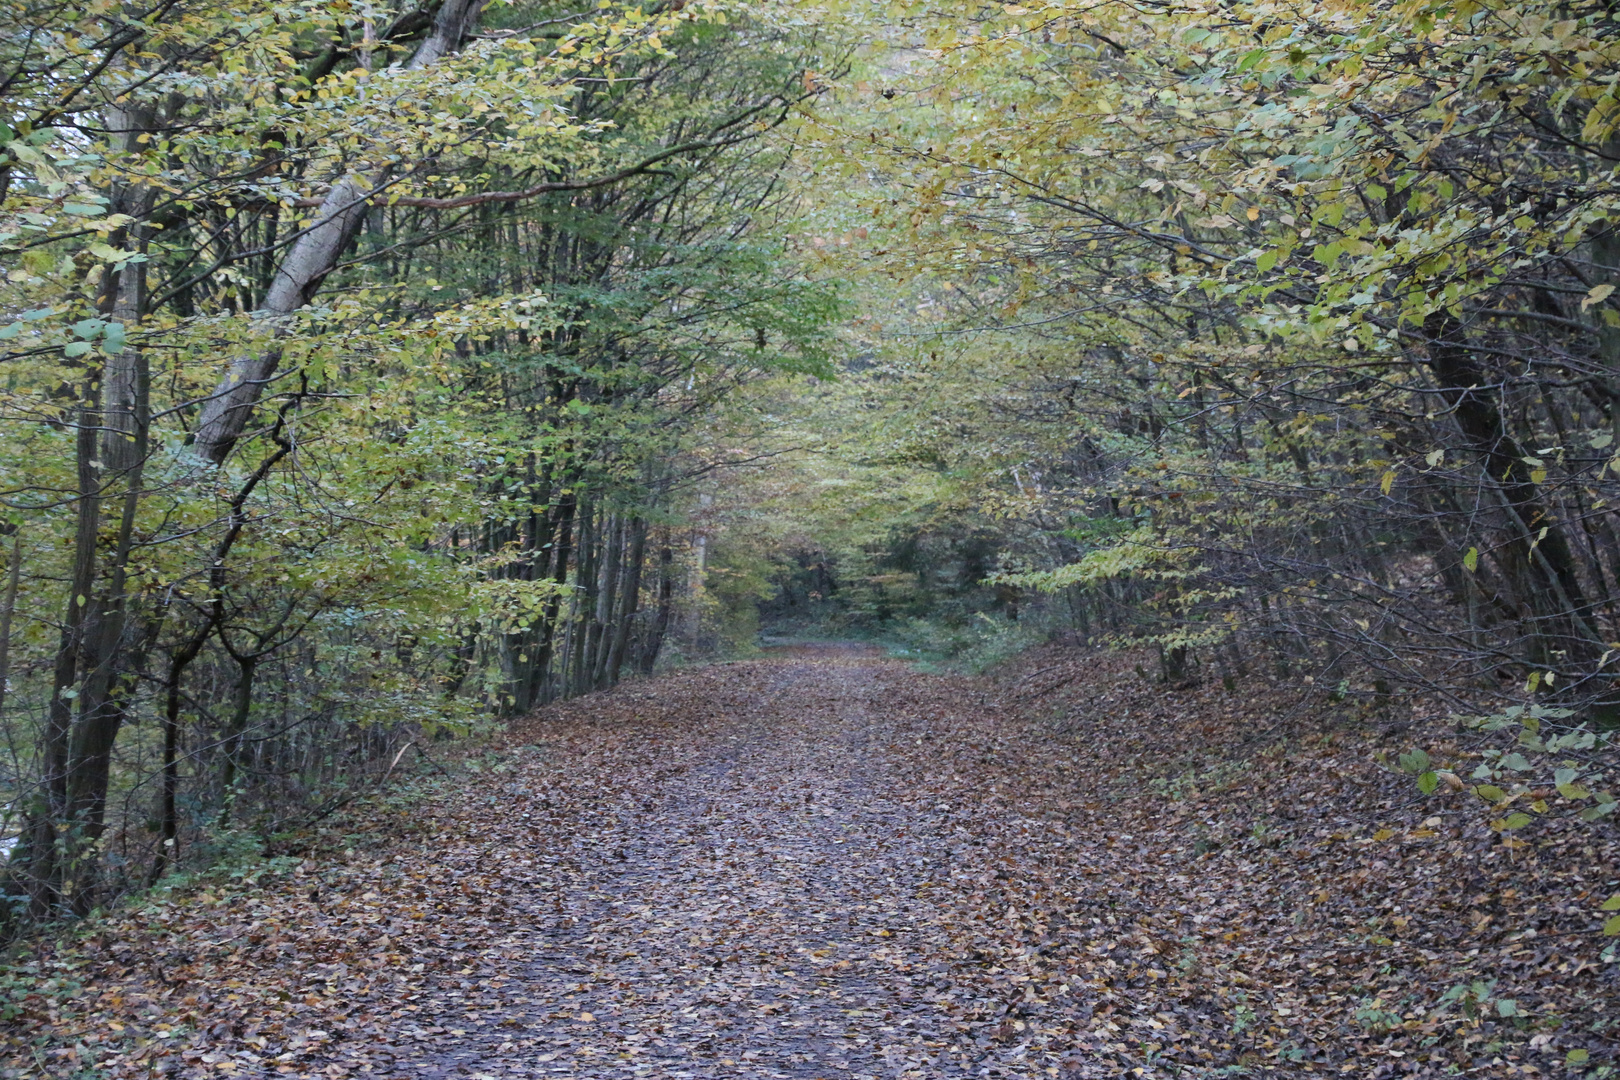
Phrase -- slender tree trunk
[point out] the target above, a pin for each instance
(585, 593)
(666, 606)
(100, 703)
(50, 834)
(235, 729)
(631, 601)
(7, 608)
(169, 789)
(561, 553)
(226, 411)
(602, 630)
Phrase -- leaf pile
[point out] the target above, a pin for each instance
(819, 866)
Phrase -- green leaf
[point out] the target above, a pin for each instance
(1471, 560)
(1611, 904)
(1576, 1057)
(1251, 58)
(76, 348)
(1490, 793)
(1428, 782)
(1565, 776)
(1267, 260)
(1611, 926)
(1507, 1007)
(1517, 821)
(1516, 762)
(1415, 762)
(1573, 791)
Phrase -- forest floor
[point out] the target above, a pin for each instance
(826, 865)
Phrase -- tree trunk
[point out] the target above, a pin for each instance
(666, 607)
(631, 601)
(602, 627)
(585, 593)
(241, 710)
(7, 608)
(561, 552)
(226, 411)
(50, 835)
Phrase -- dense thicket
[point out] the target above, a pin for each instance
(352, 362)
(1268, 330)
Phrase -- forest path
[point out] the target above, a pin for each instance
(765, 902)
(829, 865)
(819, 865)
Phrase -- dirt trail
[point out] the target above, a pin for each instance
(826, 865)
(746, 870)
(770, 911)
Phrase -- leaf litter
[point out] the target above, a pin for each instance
(834, 866)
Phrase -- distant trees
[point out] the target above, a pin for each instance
(1303, 316)
(353, 358)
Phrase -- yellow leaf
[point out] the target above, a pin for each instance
(1387, 482)
(1597, 295)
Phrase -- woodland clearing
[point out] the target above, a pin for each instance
(826, 864)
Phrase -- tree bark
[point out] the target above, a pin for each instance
(242, 708)
(561, 552)
(7, 608)
(123, 420)
(631, 601)
(601, 639)
(49, 833)
(666, 606)
(584, 598)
